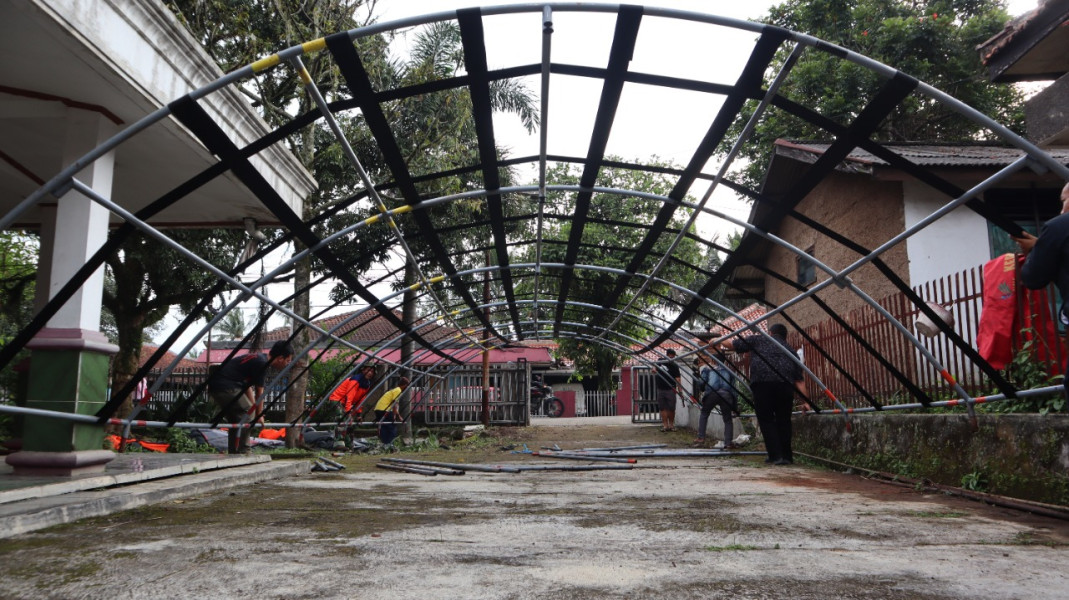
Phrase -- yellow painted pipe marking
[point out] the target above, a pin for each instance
(265, 63)
(314, 45)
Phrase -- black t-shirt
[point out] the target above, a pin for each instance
(667, 372)
(240, 372)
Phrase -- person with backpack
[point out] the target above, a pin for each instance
(717, 385)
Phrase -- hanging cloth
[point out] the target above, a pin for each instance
(995, 333)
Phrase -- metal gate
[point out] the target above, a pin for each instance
(643, 396)
(457, 396)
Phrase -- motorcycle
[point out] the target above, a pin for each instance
(543, 402)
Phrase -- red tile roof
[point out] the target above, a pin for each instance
(168, 357)
(369, 328)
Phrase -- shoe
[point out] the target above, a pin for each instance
(784, 461)
(699, 443)
(771, 461)
(731, 446)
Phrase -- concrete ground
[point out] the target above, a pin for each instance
(690, 527)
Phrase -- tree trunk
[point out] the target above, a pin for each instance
(295, 397)
(408, 317)
(124, 364)
(302, 278)
(606, 363)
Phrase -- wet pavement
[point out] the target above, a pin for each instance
(681, 527)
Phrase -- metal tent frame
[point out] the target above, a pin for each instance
(528, 286)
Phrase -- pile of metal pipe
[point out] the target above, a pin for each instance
(583, 456)
(663, 453)
(617, 448)
(456, 466)
(425, 464)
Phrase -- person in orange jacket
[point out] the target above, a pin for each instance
(353, 390)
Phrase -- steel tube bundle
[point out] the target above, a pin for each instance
(577, 456)
(461, 467)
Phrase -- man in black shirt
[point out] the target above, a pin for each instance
(238, 382)
(668, 384)
(775, 376)
(1048, 261)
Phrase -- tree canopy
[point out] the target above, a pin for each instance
(934, 41)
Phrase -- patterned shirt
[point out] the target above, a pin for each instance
(771, 361)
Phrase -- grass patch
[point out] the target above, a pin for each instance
(928, 514)
(732, 548)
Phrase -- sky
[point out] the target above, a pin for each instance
(649, 121)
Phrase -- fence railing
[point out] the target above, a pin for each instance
(961, 293)
(601, 403)
(177, 387)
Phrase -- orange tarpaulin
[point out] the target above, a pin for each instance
(153, 446)
(272, 434)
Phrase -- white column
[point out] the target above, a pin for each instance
(81, 226)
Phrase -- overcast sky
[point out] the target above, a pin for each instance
(650, 121)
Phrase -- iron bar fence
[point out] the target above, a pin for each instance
(178, 384)
(962, 294)
(600, 403)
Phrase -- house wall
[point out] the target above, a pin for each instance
(865, 210)
(954, 243)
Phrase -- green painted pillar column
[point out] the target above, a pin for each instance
(68, 373)
(70, 359)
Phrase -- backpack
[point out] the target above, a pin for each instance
(712, 379)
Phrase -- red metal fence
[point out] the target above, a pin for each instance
(961, 293)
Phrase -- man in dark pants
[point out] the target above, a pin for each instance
(1048, 262)
(667, 383)
(236, 385)
(717, 385)
(774, 377)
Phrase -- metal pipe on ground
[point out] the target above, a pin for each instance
(332, 462)
(574, 456)
(618, 448)
(461, 466)
(443, 470)
(574, 467)
(407, 469)
(671, 453)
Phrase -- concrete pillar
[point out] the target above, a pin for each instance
(69, 365)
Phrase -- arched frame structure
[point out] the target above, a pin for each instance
(542, 298)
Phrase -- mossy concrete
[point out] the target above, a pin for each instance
(1021, 456)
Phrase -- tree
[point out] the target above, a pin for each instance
(932, 40)
(18, 273)
(146, 279)
(233, 325)
(609, 241)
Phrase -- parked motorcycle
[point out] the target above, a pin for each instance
(543, 402)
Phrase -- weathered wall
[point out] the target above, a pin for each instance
(1022, 456)
(866, 210)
